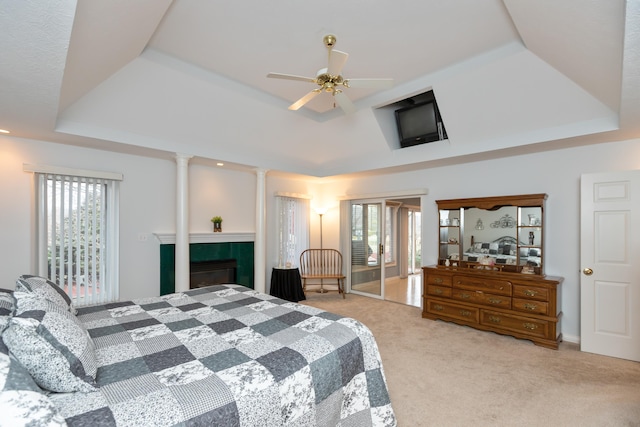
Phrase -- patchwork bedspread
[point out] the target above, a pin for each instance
(226, 355)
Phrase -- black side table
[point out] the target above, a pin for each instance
(286, 284)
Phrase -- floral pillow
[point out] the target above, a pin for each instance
(29, 408)
(6, 308)
(46, 288)
(52, 344)
(21, 401)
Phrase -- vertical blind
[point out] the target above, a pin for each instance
(78, 236)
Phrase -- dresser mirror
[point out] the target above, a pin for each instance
(502, 233)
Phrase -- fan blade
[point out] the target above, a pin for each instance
(337, 60)
(344, 102)
(308, 97)
(290, 77)
(369, 83)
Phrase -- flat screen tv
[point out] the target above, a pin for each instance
(419, 123)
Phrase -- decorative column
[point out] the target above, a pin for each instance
(260, 257)
(182, 222)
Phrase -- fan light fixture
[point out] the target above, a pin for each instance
(329, 79)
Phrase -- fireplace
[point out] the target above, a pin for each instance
(205, 273)
(203, 252)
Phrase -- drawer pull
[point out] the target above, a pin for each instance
(437, 291)
(438, 280)
(531, 326)
(438, 307)
(465, 296)
(494, 319)
(530, 306)
(495, 300)
(465, 313)
(530, 293)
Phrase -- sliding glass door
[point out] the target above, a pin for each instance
(367, 248)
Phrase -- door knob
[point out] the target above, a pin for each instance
(587, 271)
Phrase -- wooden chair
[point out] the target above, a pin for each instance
(320, 264)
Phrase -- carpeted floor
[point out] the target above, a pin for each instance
(441, 374)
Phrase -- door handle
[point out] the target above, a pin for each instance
(587, 271)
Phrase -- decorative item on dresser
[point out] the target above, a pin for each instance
(496, 282)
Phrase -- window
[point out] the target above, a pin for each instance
(77, 231)
(293, 229)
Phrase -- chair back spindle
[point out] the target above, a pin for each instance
(320, 264)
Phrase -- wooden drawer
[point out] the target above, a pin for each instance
(523, 325)
(439, 291)
(439, 308)
(438, 279)
(530, 306)
(493, 286)
(531, 292)
(481, 298)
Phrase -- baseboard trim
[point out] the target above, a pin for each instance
(570, 338)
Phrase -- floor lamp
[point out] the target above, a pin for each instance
(322, 290)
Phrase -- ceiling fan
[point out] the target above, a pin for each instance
(329, 79)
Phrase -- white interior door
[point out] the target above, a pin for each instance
(610, 267)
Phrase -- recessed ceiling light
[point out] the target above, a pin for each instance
(4, 131)
(220, 164)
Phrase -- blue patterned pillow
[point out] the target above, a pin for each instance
(52, 344)
(46, 288)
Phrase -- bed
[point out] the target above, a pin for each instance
(504, 251)
(223, 355)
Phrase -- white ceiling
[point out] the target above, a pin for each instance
(158, 77)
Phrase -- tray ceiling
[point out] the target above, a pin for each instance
(158, 77)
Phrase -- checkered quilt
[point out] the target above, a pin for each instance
(226, 355)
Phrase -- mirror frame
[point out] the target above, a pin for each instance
(451, 237)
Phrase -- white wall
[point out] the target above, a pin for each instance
(216, 191)
(147, 206)
(556, 173)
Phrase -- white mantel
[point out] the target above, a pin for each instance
(170, 238)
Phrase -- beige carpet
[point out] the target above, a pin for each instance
(441, 374)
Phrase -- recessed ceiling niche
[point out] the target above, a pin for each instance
(412, 121)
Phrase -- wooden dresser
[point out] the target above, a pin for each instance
(525, 306)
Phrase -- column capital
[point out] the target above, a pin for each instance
(261, 171)
(181, 157)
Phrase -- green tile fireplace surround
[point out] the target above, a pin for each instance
(242, 252)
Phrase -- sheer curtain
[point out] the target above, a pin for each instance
(293, 229)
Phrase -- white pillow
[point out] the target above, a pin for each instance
(44, 287)
(52, 344)
(23, 408)
(6, 308)
(21, 400)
